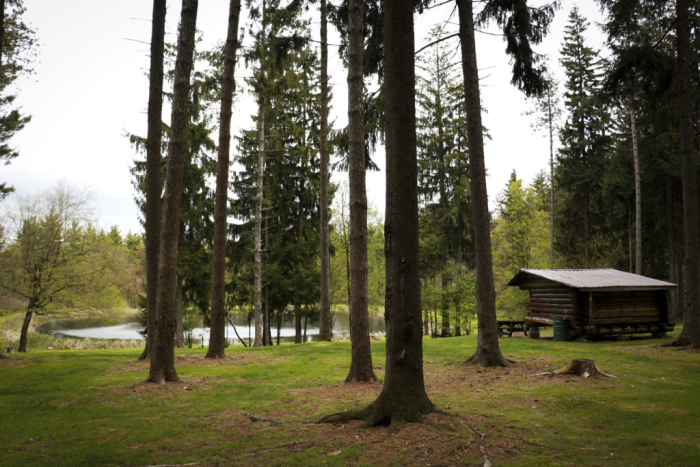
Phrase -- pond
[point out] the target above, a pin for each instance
(128, 328)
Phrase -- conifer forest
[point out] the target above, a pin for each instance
(349, 232)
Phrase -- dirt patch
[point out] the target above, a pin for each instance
(440, 440)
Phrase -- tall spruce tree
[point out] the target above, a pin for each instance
(17, 53)
(547, 113)
(153, 167)
(361, 357)
(642, 71)
(217, 335)
(291, 195)
(442, 163)
(691, 330)
(522, 26)
(326, 325)
(162, 354)
(584, 140)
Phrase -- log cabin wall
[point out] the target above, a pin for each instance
(551, 300)
(630, 307)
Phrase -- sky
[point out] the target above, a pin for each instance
(90, 88)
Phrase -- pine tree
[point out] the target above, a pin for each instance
(584, 140)
(442, 165)
(17, 51)
(162, 354)
(326, 325)
(218, 295)
(291, 192)
(153, 167)
(547, 113)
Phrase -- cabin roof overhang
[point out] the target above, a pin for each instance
(593, 280)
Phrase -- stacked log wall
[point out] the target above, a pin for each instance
(551, 300)
(616, 308)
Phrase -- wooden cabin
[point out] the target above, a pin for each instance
(596, 302)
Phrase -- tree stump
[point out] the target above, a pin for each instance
(580, 367)
(3, 356)
(11, 350)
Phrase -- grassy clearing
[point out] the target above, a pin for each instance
(90, 407)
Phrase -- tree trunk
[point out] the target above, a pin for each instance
(279, 325)
(267, 334)
(258, 220)
(217, 332)
(458, 305)
(630, 256)
(403, 398)
(326, 326)
(488, 351)
(25, 329)
(179, 332)
(266, 317)
(670, 226)
(297, 326)
(551, 177)
(691, 329)
(361, 360)
(153, 161)
(306, 321)
(162, 354)
(445, 330)
(444, 303)
(637, 197)
(586, 230)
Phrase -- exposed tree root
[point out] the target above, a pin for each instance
(374, 416)
(349, 416)
(482, 449)
(489, 360)
(680, 343)
(581, 367)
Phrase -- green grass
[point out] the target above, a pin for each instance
(87, 407)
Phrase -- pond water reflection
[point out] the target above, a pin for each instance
(129, 328)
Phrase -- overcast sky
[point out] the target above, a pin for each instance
(90, 89)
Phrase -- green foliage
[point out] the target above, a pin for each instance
(288, 77)
(520, 239)
(56, 256)
(445, 213)
(18, 55)
(584, 141)
(340, 250)
(197, 205)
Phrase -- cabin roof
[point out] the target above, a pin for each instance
(593, 279)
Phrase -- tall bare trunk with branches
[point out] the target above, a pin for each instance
(637, 197)
(361, 362)
(488, 352)
(163, 351)
(691, 329)
(217, 334)
(257, 285)
(326, 326)
(153, 160)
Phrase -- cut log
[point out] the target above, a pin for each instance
(581, 367)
